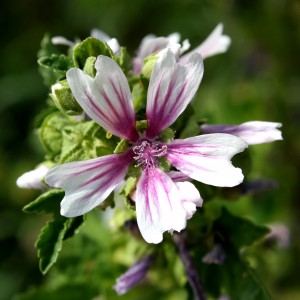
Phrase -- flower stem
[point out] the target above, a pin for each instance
(191, 272)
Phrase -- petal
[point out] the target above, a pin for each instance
(214, 44)
(190, 197)
(60, 40)
(254, 132)
(158, 206)
(178, 176)
(105, 98)
(171, 89)
(88, 183)
(33, 179)
(206, 158)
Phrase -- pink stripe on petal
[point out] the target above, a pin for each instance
(171, 89)
(158, 206)
(207, 158)
(105, 98)
(88, 183)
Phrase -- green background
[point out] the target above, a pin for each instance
(257, 79)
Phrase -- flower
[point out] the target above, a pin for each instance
(107, 100)
(254, 132)
(214, 44)
(33, 179)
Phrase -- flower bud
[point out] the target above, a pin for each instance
(64, 99)
(134, 275)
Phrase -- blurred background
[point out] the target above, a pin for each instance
(257, 79)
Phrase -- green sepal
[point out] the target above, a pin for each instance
(129, 186)
(141, 125)
(87, 48)
(122, 146)
(166, 135)
(64, 99)
(49, 202)
(124, 60)
(139, 97)
(54, 67)
(89, 67)
(148, 66)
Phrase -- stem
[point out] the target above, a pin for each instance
(191, 272)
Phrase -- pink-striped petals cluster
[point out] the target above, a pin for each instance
(253, 132)
(164, 201)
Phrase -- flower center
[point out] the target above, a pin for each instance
(147, 154)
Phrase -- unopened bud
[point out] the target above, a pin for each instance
(64, 99)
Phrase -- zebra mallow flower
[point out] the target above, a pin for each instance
(215, 43)
(253, 132)
(107, 100)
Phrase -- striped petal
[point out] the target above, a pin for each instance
(105, 98)
(207, 158)
(254, 132)
(171, 89)
(158, 206)
(215, 43)
(190, 197)
(88, 183)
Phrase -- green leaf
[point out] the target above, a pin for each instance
(49, 243)
(85, 140)
(73, 225)
(49, 202)
(54, 67)
(87, 48)
(241, 232)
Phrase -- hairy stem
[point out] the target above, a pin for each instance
(191, 272)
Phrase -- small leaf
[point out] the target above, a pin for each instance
(87, 48)
(49, 202)
(49, 243)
